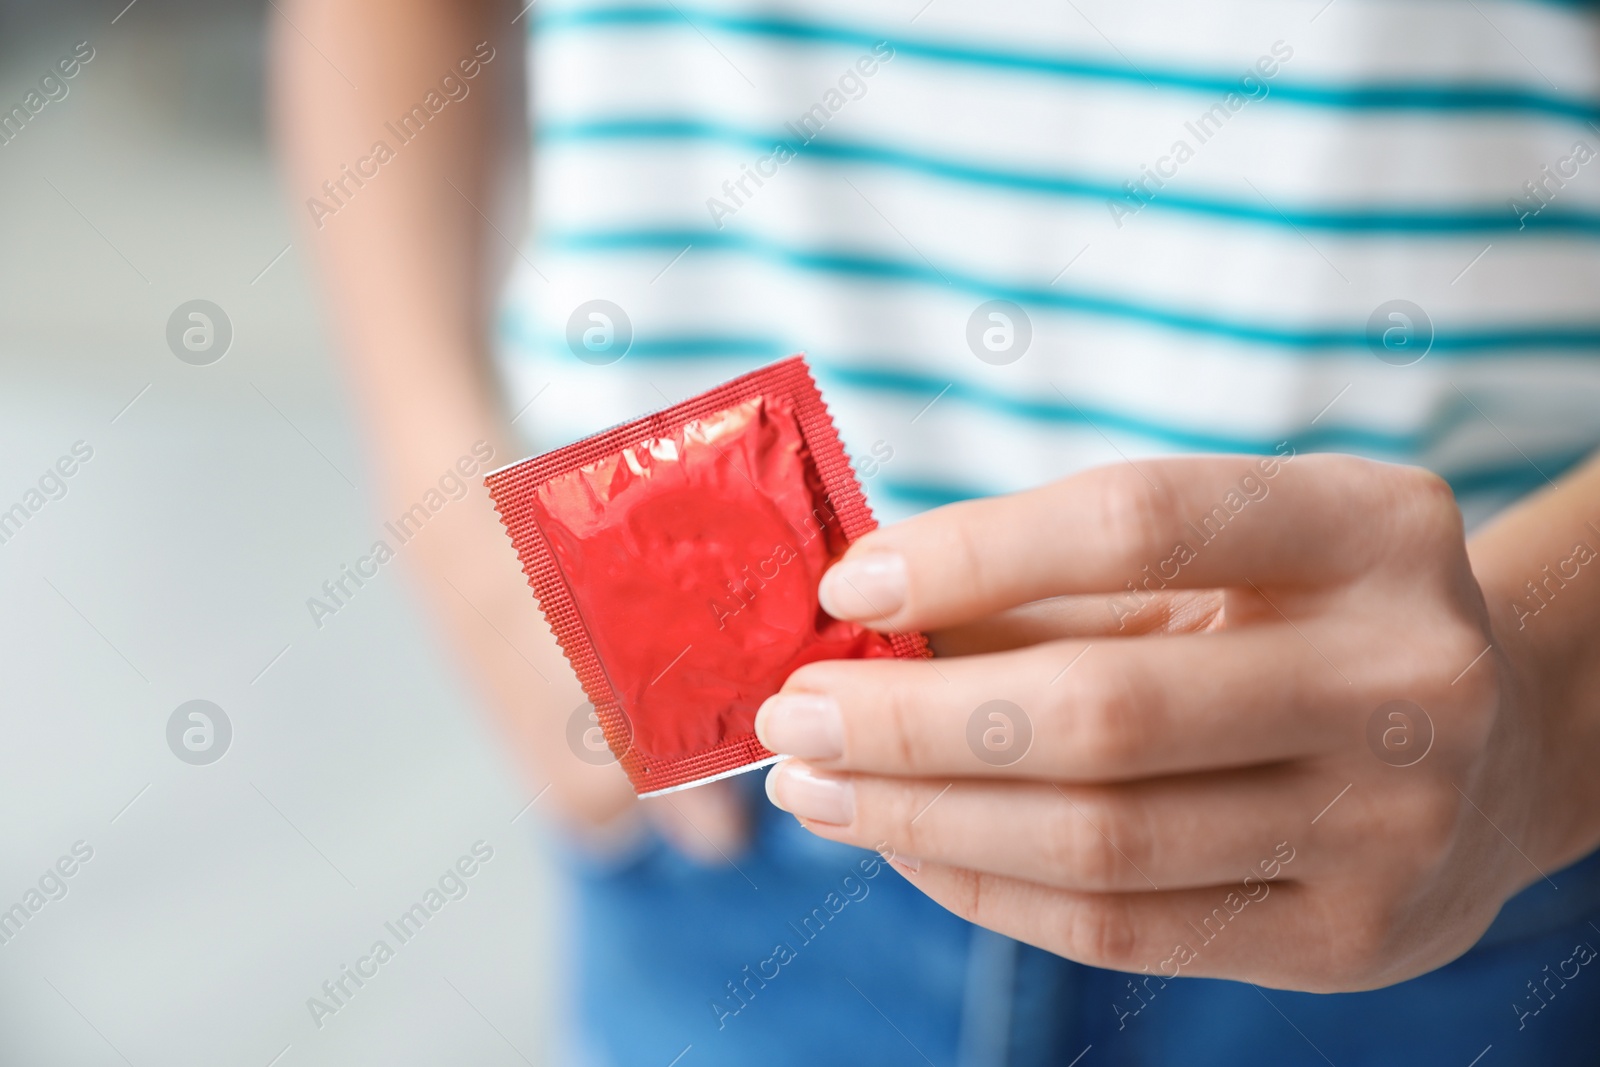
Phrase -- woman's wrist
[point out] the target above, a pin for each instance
(1539, 570)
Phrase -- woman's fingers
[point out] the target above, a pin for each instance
(1257, 928)
(1111, 710)
(1152, 836)
(1179, 611)
(709, 825)
(1188, 523)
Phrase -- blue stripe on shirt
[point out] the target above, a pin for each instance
(1575, 340)
(873, 375)
(1450, 96)
(1418, 221)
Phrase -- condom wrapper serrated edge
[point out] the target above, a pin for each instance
(676, 558)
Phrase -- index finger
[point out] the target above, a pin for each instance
(1123, 709)
(1180, 523)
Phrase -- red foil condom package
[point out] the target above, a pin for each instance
(677, 558)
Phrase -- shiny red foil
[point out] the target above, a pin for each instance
(688, 553)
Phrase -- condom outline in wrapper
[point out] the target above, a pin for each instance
(717, 515)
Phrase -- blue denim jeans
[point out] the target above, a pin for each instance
(811, 953)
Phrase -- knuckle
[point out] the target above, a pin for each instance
(1359, 941)
(966, 896)
(904, 741)
(964, 558)
(1134, 514)
(1096, 843)
(1457, 673)
(1100, 931)
(1430, 489)
(913, 822)
(1105, 719)
(980, 899)
(1441, 656)
(1428, 502)
(1417, 824)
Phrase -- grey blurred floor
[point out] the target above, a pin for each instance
(219, 898)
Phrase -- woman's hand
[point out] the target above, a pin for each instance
(1267, 729)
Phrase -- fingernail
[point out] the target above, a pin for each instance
(801, 724)
(869, 586)
(801, 791)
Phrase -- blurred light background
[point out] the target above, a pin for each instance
(218, 498)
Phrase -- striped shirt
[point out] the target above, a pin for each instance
(1018, 238)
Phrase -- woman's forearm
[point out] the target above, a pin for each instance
(393, 187)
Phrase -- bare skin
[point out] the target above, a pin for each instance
(1217, 728)
(1225, 717)
(410, 265)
